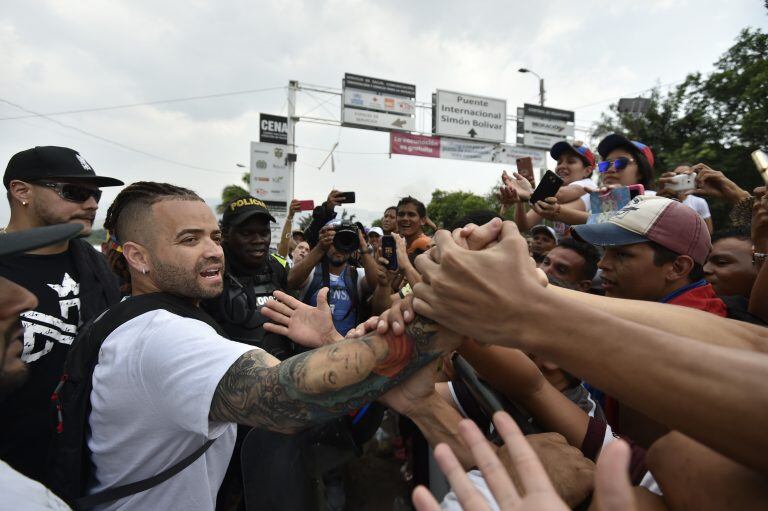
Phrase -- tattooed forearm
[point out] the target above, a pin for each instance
(322, 383)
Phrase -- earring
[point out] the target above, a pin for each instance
(23, 203)
(144, 271)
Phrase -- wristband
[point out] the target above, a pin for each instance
(368, 250)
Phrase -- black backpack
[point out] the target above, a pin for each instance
(70, 469)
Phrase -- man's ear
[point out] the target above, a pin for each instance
(137, 256)
(20, 191)
(681, 268)
(584, 285)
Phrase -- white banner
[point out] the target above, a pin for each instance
(486, 152)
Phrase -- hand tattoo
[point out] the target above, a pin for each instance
(318, 385)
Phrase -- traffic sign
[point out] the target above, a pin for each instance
(545, 112)
(469, 116)
(379, 86)
(541, 141)
(377, 120)
(382, 102)
(548, 127)
(273, 129)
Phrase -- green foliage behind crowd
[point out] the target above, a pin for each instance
(718, 119)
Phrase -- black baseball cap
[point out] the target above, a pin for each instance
(52, 162)
(13, 243)
(243, 208)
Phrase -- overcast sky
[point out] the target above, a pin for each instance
(69, 55)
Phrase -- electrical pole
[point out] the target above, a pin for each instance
(293, 85)
(541, 91)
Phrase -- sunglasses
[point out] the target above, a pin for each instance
(618, 164)
(70, 192)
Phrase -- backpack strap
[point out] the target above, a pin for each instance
(101, 328)
(126, 490)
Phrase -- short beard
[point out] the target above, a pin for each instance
(178, 281)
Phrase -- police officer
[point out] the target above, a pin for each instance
(250, 278)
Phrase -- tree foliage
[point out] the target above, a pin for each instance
(447, 207)
(718, 119)
(232, 192)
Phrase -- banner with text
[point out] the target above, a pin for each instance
(441, 147)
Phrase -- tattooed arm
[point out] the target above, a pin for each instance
(326, 382)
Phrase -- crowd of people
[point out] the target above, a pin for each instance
(572, 357)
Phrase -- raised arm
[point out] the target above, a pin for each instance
(285, 237)
(326, 382)
(669, 377)
(297, 276)
(758, 300)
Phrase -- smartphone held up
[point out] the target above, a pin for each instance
(389, 251)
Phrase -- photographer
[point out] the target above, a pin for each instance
(327, 265)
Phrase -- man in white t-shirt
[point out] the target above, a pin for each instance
(165, 384)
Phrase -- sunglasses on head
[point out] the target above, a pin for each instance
(71, 192)
(618, 164)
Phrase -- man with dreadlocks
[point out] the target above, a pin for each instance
(47, 186)
(166, 382)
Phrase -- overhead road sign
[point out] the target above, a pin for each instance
(460, 115)
(379, 86)
(545, 112)
(354, 98)
(541, 141)
(548, 127)
(377, 120)
(273, 129)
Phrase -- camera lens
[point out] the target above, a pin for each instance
(346, 238)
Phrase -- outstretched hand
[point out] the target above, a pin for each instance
(536, 491)
(309, 326)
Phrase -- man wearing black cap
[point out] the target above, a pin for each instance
(18, 491)
(251, 277)
(71, 280)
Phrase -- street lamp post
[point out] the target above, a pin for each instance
(541, 83)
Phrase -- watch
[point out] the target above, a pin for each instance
(368, 250)
(758, 257)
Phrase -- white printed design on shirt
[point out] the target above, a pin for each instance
(51, 328)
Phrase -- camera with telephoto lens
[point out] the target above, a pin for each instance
(346, 239)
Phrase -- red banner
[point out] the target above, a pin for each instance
(414, 145)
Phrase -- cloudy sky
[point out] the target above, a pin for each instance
(59, 56)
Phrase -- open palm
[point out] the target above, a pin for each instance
(303, 324)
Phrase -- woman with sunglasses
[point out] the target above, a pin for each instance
(625, 162)
(575, 163)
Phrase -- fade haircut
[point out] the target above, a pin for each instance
(588, 252)
(421, 209)
(127, 218)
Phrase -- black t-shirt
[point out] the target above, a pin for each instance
(25, 421)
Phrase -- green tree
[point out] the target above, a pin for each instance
(232, 192)
(447, 207)
(718, 119)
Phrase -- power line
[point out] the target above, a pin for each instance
(145, 103)
(113, 142)
(626, 95)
